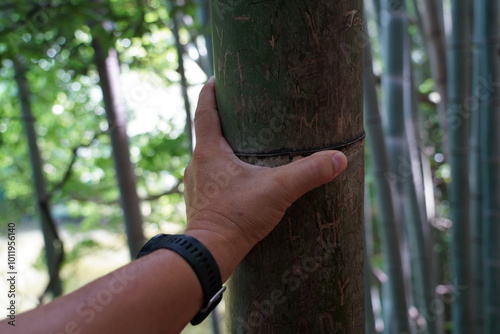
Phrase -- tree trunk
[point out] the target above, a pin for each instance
(289, 84)
(54, 251)
(175, 13)
(109, 71)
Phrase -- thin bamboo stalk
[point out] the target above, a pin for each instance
(384, 199)
(369, 317)
(401, 140)
(489, 43)
(368, 255)
(433, 32)
(458, 129)
(475, 213)
(422, 172)
(414, 207)
(393, 29)
(420, 152)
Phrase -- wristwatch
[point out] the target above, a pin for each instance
(202, 262)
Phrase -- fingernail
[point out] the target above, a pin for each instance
(211, 79)
(339, 161)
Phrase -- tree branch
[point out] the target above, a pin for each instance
(149, 198)
(69, 169)
(173, 190)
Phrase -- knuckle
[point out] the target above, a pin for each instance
(201, 112)
(200, 157)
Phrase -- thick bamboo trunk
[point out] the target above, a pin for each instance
(54, 251)
(288, 83)
(108, 68)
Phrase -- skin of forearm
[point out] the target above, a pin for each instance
(159, 293)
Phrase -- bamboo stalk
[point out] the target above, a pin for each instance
(488, 90)
(401, 139)
(433, 32)
(368, 255)
(414, 206)
(278, 66)
(384, 200)
(392, 35)
(204, 19)
(475, 216)
(458, 124)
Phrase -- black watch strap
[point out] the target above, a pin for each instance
(202, 262)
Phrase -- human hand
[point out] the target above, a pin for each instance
(238, 202)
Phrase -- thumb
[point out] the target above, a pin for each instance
(299, 177)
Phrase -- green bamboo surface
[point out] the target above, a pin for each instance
(488, 90)
(458, 132)
(277, 69)
(384, 200)
(397, 90)
(476, 228)
(414, 206)
(392, 28)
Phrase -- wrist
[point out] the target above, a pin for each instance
(227, 249)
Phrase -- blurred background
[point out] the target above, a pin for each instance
(96, 102)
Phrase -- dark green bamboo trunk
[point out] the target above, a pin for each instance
(397, 100)
(475, 204)
(109, 71)
(288, 83)
(432, 30)
(476, 109)
(384, 202)
(488, 90)
(54, 251)
(458, 129)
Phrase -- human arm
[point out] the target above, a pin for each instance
(230, 205)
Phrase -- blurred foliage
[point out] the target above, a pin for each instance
(55, 36)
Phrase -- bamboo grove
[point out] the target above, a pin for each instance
(431, 111)
(444, 265)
